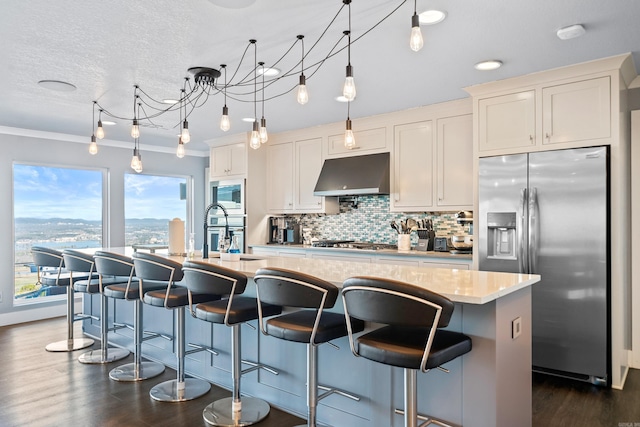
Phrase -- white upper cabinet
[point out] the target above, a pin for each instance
(292, 172)
(280, 178)
(565, 114)
(454, 147)
(413, 160)
(228, 161)
(577, 111)
(507, 121)
(368, 141)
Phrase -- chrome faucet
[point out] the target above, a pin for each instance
(205, 245)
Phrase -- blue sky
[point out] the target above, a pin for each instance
(47, 192)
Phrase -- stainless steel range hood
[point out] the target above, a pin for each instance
(354, 176)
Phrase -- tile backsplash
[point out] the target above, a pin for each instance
(370, 222)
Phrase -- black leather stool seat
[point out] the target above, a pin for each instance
(404, 347)
(178, 297)
(298, 326)
(119, 290)
(243, 309)
(93, 286)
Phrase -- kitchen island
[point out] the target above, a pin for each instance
(490, 386)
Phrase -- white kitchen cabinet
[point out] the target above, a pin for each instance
(413, 161)
(280, 168)
(342, 257)
(430, 264)
(454, 147)
(574, 113)
(228, 161)
(291, 185)
(422, 168)
(368, 141)
(507, 121)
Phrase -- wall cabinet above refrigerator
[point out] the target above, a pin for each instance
(228, 161)
(576, 113)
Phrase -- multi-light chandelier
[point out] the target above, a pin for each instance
(207, 82)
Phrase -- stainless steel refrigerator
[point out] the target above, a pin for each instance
(547, 213)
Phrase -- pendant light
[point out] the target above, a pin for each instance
(416, 41)
(254, 140)
(136, 159)
(264, 135)
(303, 95)
(185, 136)
(225, 124)
(93, 147)
(349, 88)
(135, 129)
(349, 139)
(100, 129)
(180, 149)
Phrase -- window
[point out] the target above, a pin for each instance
(150, 202)
(54, 207)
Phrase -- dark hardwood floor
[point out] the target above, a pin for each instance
(53, 389)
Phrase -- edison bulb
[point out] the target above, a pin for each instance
(135, 130)
(254, 141)
(100, 130)
(185, 135)
(225, 124)
(349, 89)
(416, 42)
(93, 147)
(264, 135)
(303, 95)
(180, 150)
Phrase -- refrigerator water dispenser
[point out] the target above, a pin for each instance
(502, 238)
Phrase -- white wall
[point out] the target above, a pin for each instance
(56, 151)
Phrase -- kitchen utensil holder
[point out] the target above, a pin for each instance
(404, 242)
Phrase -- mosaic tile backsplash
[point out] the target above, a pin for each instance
(370, 222)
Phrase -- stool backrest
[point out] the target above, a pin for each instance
(155, 267)
(78, 261)
(202, 277)
(112, 264)
(47, 257)
(391, 302)
(290, 288)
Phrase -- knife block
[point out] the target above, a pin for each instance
(425, 239)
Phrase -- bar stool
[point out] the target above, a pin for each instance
(232, 311)
(411, 338)
(108, 263)
(311, 324)
(80, 262)
(46, 257)
(173, 297)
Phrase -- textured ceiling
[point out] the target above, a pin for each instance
(105, 48)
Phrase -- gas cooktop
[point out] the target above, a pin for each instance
(351, 244)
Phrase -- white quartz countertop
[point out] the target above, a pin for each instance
(412, 253)
(464, 286)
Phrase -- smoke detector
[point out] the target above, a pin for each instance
(570, 32)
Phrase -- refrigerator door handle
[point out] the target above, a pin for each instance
(522, 252)
(533, 230)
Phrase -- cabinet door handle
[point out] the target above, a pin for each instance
(548, 136)
(531, 138)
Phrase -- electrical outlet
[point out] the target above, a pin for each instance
(516, 327)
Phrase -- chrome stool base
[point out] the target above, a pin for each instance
(100, 357)
(168, 391)
(72, 344)
(132, 372)
(220, 412)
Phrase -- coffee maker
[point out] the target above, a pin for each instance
(283, 230)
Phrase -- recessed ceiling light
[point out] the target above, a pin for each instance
(492, 64)
(341, 98)
(108, 123)
(269, 72)
(170, 101)
(57, 85)
(249, 119)
(430, 17)
(570, 32)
